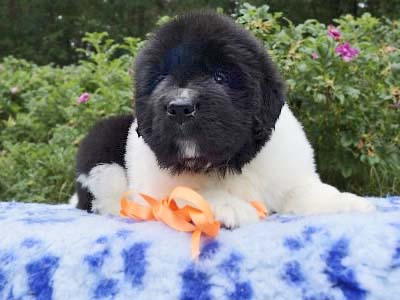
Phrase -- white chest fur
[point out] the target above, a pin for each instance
(280, 165)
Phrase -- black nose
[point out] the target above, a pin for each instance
(181, 110)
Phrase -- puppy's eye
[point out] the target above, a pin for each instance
(220, 77)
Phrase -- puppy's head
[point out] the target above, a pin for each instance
(207, 94)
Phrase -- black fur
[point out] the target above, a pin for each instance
(105, 143)
(234, 119)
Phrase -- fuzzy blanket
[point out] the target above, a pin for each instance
(57, 252)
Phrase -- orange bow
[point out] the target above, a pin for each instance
(197, 218)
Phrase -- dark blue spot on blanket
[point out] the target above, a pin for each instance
(292, 273)
(231, 266)
(97, 259)
(106, 288)
(40, 274)
(135, 262)
(3, 281)
(102, 240)
(29, 243)
(124, 233)
(243, 291)
(195, 285)
(126, 220)
(341, 276)
(293, 244)
(209, 249)
(11, 295)
(284, 218)
(309, 231)
(7, 258)
(396, 257)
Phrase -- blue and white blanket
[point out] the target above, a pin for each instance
(57, 252)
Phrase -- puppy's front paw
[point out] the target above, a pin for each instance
(348, 202)
(340, 203)
(230, 211)
(234, 214)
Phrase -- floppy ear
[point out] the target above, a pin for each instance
(272, 99)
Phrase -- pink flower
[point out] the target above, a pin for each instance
(314, 55)
(83, 98)
(390, 49)
(334, 33)
(346, 52)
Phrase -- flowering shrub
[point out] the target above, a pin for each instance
(45, 111)
(343, 84)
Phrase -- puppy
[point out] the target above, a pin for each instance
(210, 115)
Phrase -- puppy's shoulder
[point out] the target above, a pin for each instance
(105, 143)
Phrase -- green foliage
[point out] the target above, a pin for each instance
(41, 122)
(348, 108)
(50, 31)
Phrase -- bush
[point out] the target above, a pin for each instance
(42, 123)
(348, 108)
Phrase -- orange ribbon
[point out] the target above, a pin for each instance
(197, 218)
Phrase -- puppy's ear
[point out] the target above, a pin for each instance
(272, 99)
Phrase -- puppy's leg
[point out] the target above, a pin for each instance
(103, 146)
(229, 210)
(84, 197)
(315, 197)
(107, 183)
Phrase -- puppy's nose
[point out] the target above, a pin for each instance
(181, 110)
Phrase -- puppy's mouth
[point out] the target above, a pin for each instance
(191, 157)
(198, 161)
(199, 164)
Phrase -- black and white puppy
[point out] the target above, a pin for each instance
(210, 115)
